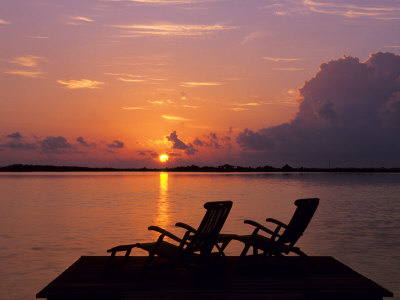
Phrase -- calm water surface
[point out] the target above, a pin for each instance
(47, 221)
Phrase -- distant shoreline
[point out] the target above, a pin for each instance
(193, 168)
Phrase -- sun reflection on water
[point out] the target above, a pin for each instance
(163, 218)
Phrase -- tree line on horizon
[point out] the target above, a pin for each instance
(191, 168)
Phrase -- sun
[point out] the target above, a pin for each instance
(164, 158)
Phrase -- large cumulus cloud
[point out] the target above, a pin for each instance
(349, 116)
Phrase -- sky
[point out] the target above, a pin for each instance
(117, 83)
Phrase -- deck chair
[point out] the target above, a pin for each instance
(194, 248)
(280, 240)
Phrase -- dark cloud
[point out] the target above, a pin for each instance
(349, 116)
(176, 142)
(15, 136)
(17, 145)
(116, 144)
(211, 140)
(83, 142)
(148, 153)
(198, 142)
(190, 150)
(55, 144)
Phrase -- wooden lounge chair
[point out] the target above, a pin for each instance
(280, 240)
(196, 245)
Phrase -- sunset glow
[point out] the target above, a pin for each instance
(117, 83)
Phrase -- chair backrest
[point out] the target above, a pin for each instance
(300, 220)
(211, 225)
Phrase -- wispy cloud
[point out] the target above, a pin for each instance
(392, 46)
(4, 22)
(84, 19)
(136, 30)
(191, 84)
(30, 74)
(129, 79)
(279, 59)
(354, 11)
(163, 2)
(80, 84)
(190, 106)
(287, 69)
(161, 102)
(239, 108)
(244, 106)
(39, 37)
(251, 37)
(79, 20)
(133, 107)
(174, 118)
(247, 104)
(27, 61)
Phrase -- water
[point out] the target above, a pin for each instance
(47, 221)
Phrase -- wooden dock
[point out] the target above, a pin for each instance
(272, 278)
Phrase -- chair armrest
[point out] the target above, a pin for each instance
(277, 222)
(166, 233)
(122, 248)
(186, 226)
(258, 226)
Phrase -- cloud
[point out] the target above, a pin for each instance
(163, 2)
(190, 106)
(39, 37)
(148, 153)
(251, 37)
(17, 142)
(244, 106)
(84, 143)
(178, 144)
(349, 116)
(213, 141)
(354, 11)
(15, 135)
(4, 22)
(27, 61)
(30, 74)
(130, 79)
(17, 145)
(137, 30)
(174, 118)
(191, 84)
(84, 19)
(116, 144)
(55, 144)
(133, 107)
(279, 59)
(392, 46)
(157, 102)
(80, 84)
(287, 69)
(239, 108)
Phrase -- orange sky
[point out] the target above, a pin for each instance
(122, 76)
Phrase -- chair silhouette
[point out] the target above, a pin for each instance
(282, 239)
(194, 248)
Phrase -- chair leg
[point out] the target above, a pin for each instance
(245, 249)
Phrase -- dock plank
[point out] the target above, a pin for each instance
(273, 278)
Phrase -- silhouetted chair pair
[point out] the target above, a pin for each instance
(196, 246)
